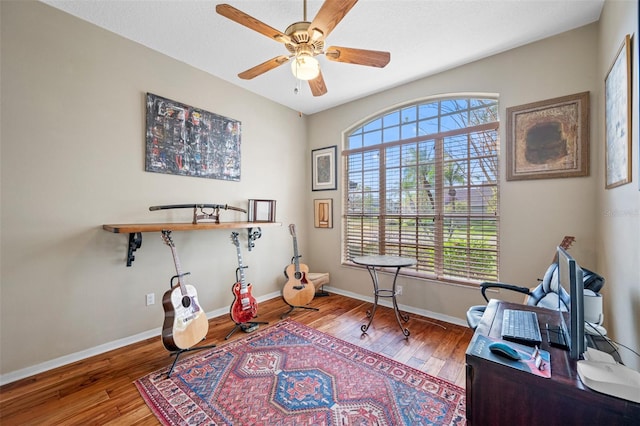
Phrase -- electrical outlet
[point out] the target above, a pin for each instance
(151, 299)
(398, 290)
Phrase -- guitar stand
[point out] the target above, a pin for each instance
(244, 326)
(286, 314)
(322, 292)
(181, 351)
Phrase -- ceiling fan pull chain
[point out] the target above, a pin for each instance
(296, 90)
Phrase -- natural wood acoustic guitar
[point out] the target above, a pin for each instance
(185, 323)
(297, 290)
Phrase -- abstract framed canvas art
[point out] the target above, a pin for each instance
(187, 141)
(549, 139)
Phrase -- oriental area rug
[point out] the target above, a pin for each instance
(290, 374)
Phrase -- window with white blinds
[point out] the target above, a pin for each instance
(422, 181)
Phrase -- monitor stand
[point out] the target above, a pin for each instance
(557, 337)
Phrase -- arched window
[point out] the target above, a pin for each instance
(422, 181)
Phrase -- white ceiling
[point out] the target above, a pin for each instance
(424, 37)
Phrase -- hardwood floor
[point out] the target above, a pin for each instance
(100, 389)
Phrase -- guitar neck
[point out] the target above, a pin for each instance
(296, 257)
(179, 273)
(240, 267)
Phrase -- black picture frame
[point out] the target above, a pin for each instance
(324, 173)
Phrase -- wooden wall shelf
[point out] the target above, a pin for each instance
(135, 231)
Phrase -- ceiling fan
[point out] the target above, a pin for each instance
(305, 40)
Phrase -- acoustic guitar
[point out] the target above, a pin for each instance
(297, 290)
(566, 243)
(185, 323)
(244, 307)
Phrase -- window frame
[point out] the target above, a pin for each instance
(374, 129)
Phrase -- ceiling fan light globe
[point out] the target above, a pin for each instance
(305, 67)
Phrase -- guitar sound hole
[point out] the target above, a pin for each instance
(298, 275)
(186, 301)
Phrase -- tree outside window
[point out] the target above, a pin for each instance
(422, 182)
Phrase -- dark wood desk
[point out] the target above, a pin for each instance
(501, 395)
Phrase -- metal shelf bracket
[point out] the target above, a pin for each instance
(135, 241)
(254, 234)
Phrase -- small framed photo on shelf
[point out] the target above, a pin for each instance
(262, 210)
(323, 213)
(323, 169)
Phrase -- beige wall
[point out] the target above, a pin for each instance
(535, 214)
(618, 211)
(73, 104)
(73, 159)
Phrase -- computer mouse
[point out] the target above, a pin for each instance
(502, 349)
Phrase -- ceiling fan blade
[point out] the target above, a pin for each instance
(263, 67)
(250, 22)
(317, 86)
(330, 14)
(370, 58)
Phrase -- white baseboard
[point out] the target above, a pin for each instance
(100, 349)
(116, 344)
(404, 308)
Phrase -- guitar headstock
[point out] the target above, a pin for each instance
(234, 239)
(567, 241)
(166, 237)
(565, 244)
(292, 229)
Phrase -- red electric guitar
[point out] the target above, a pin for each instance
(244, 307)
(185, 323)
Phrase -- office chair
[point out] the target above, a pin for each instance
(544, 295)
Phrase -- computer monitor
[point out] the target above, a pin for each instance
(570, 277)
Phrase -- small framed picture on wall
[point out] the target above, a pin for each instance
(617, 117)
(323, 169)
(323, 213)
(549, 139)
